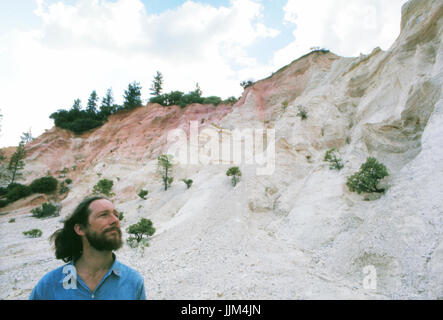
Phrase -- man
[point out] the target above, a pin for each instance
(86, 241)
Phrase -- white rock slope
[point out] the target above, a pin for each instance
(298, 233)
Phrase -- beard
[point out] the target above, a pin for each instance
(100, 242)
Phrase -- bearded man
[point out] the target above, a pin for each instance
(92, 272)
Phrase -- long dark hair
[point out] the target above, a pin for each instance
(68, 244)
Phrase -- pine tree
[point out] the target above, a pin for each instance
(107, 108)
(16, 164)
(157, 84)
(132, 96)
(77, 105)
(198, 90)
(235, 173)
(27, 136)
(92, 103)
(165, 164)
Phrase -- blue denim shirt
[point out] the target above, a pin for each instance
(119, 283)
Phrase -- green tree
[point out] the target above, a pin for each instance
(91, 108)
(132, 96)
(188, 182)
(157, 84)
(368, 177)
(165, 165)
(235, 173)
(107, 107)
(143, 193)
(77, 105)
(198, 90)
(27, 136)
(104, 186)
(302, 113)
(16, 163)
(335, 161)
(144, 228)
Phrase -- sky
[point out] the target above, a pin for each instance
(53, 52)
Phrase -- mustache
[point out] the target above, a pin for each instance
(113, 229)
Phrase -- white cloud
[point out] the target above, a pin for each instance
(345, 27)
(93, 45)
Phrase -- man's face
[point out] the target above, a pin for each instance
(103, 231)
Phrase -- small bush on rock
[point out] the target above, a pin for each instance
(235, 173)
(46, 210)
(17, 191)
(34, 233)
(44, 185)
(104, 186)
(143, 193)
(368, 177)
(332, 157)
(140, 231)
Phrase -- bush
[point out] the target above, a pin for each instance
(3, 191)
(44, 185)
(63, 188)
(104, 186)
(46, 210)
(368, 177)
(235, 173)
(302, 113)
(34, 233)
(17, 191)
(120, 216)
(68, 181)
(188, 182)
(143, 228)
(246, 84)
(3, 203)
(333, 159)
(143, 193)
(11, 220)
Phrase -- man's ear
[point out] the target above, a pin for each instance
(79, 230)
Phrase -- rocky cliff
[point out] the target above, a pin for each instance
(294, 231)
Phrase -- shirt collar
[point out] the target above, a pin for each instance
(115, 268)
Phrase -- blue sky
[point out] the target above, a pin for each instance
(53, 51)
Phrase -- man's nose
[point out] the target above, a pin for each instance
(115, 219)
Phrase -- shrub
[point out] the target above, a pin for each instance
(368, 177)
(333, 159)
(302, 113)
(3, 203)
(34, 233)
(188, 182)
(120, 216)
(44, 185)
(46, 210)
(230, 100)
(235, 173)
(284, 105)
(104, 186)
(144, 228)
(143, 193)
(11, 220)
(3, 191)
(17, 191)
(246, 84)
(63, 188)
(68, 181)
(165, 165)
